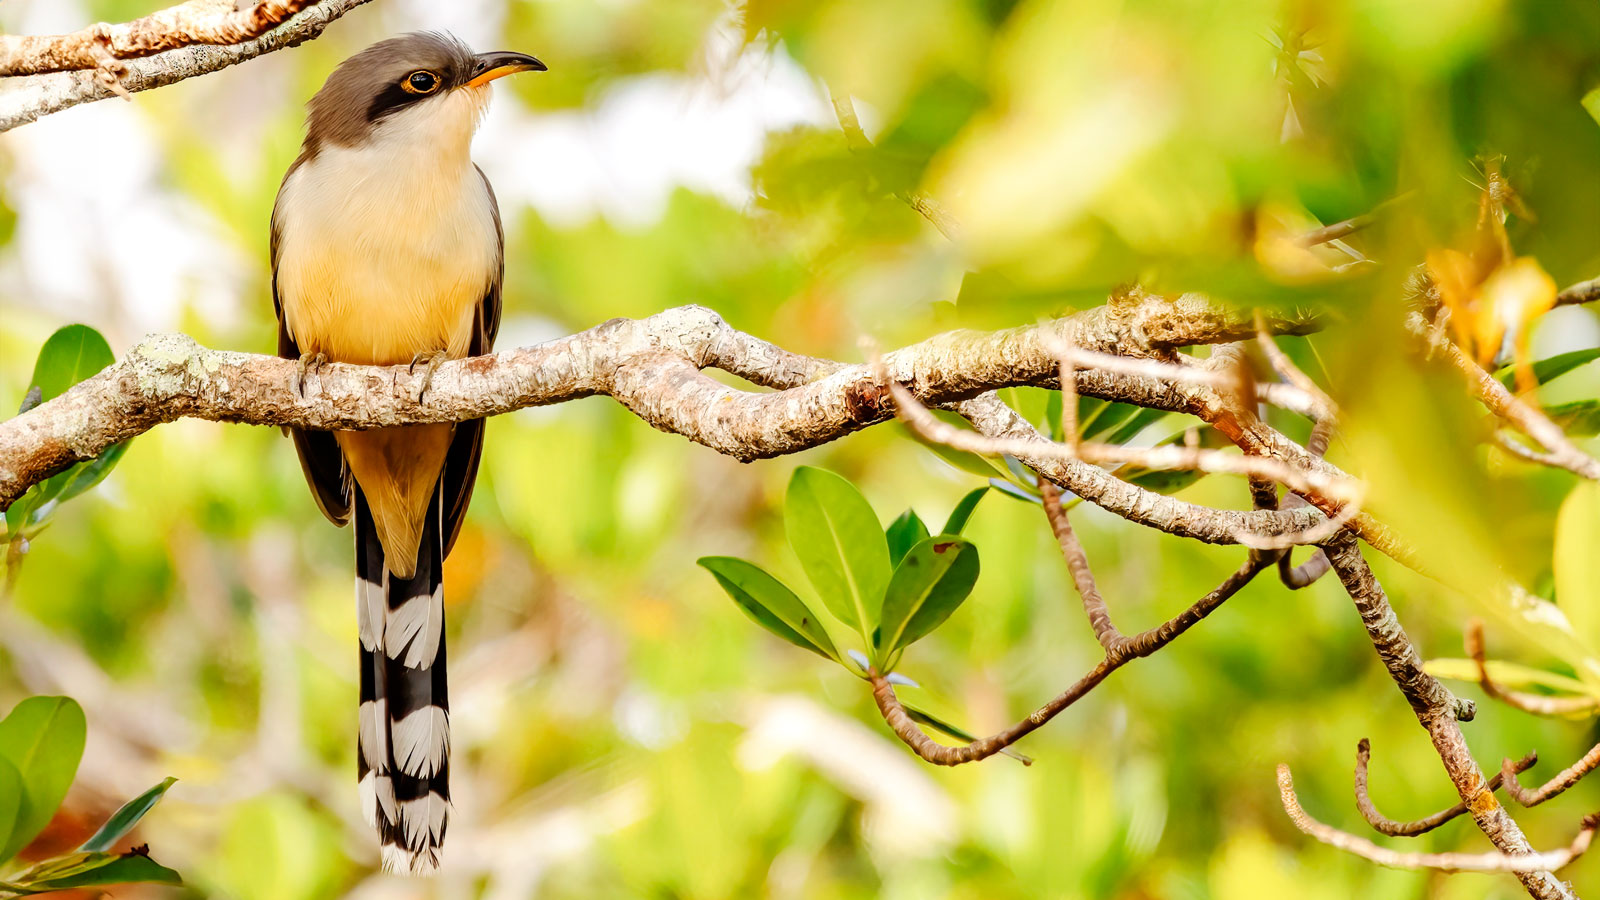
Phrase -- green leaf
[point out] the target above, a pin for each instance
(927, 586)
(1547, 370)
(72, 354)
(772, 605)
(123, 820)
(841, 546)
(903, 533)
(43, 738)
(1098, 417)
(1505, 674)
(963, 511)
(1591, 102)
(1015, 491)
(10, 802)
(1138, 422)
(79, 870)
(927, 720)
(1577, 565)
(1580, 418)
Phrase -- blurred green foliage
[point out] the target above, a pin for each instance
(620, 729)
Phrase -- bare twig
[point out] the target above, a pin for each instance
(1582, 292)
(1385, 825)
(1094, 605)
(1327, 410)
(1530, 863)
(99, 73)
(1438, 711)
(1566, 778)
(1537, 704)
(1164, 457)
(1142, 644)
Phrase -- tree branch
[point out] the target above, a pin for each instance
(1527, 864)
(1536, 704)
(1439, 712)
(1385, 825)
(1128, 649)
(1566, 778)
(24, 99)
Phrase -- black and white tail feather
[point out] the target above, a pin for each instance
(403, 756)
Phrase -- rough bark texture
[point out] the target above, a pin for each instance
(24, 99)
(651, 366)
(1436, 709)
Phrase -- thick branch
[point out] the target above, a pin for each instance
(205, 22)
(651, 367)
(23, 100)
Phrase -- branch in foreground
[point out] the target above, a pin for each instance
(23, 101)
(1523, 863)
(1536, 704)
(1385, 825)
(169, 29)
(1500, 401)
(1568, 777)
(1141, 644)
(1582, 292)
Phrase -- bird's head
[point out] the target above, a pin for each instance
(423, 88)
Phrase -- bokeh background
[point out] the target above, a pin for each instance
(621, 730)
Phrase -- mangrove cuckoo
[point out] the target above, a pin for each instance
(387, 250)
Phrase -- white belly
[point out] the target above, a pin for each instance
(384, 255)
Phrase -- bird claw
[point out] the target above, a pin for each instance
(432, 361)
(309, 362)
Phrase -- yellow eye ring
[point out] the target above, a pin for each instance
(420, 82)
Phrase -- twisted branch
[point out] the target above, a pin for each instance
(1385, 825)
(1568, 777)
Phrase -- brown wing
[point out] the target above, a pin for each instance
(320, 458)
(461, 465)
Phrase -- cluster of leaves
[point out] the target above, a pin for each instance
(892, 586)
(41, 743)
(72, 354)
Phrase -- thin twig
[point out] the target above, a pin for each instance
(1503, 403)
(1164, 457)
(1566, 778)
(1448, 862)
(1327, 409)
(1582, 292)
(1536, 704)
(1142, 644)
(1385, 825)
(1094, 605)
(856, 139)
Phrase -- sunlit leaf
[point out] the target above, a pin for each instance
(81, 870)
(927, 586)
(957, 522)
(1591, 102)
(772, 605)
(124, 819)
(1505, 674)
(841, 546)
(43, 738)
(903, 533)
(1577, 564)
(72, 354)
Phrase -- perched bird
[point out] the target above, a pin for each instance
(387, 249)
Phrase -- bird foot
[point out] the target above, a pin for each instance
(431, 361)
(309, 362)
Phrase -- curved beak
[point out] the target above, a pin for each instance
(500, 63)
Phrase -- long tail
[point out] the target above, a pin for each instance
(403, 755)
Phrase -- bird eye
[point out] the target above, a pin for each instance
(421, 82)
